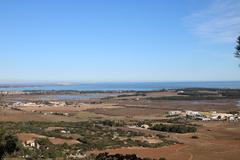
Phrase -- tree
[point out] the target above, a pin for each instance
(8, 144)
(237, 53)
(106, 156)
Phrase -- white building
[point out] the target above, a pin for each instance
(192, 113)
(174, 113)
(31, 143)
(180, 92)
(145, 126)
(220, 116)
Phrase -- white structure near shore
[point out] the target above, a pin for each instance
(206, 116)
(174, 113)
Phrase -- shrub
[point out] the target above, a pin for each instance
(174, 128)
(106, 156)
(194, 137)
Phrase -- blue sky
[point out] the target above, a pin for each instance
(118, 40)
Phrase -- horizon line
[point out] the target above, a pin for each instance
(92, 82)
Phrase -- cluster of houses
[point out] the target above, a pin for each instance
(12, 92)
(77, 155)
(26, 104)
(33, 104)
(205, 116)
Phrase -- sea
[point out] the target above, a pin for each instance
(113, 86)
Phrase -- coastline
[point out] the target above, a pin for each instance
(118, 87)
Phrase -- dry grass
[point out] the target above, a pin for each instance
(19, 116)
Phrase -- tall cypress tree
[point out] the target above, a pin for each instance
(237, 53)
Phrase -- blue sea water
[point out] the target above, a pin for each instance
(143, 86)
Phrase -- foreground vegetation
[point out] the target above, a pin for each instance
(91, 135)
(106, 156)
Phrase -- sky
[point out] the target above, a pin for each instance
(119, 40)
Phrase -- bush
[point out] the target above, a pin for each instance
(174, 128)
(112, 123)
(106, 156)
(194, 137)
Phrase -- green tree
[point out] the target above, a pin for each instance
(8, 144)
(237, 53)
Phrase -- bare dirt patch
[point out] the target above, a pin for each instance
(215, 141)
(169, 152)
(32, 136)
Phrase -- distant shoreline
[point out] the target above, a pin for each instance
(118, 87)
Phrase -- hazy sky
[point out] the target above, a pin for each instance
(118, 40)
